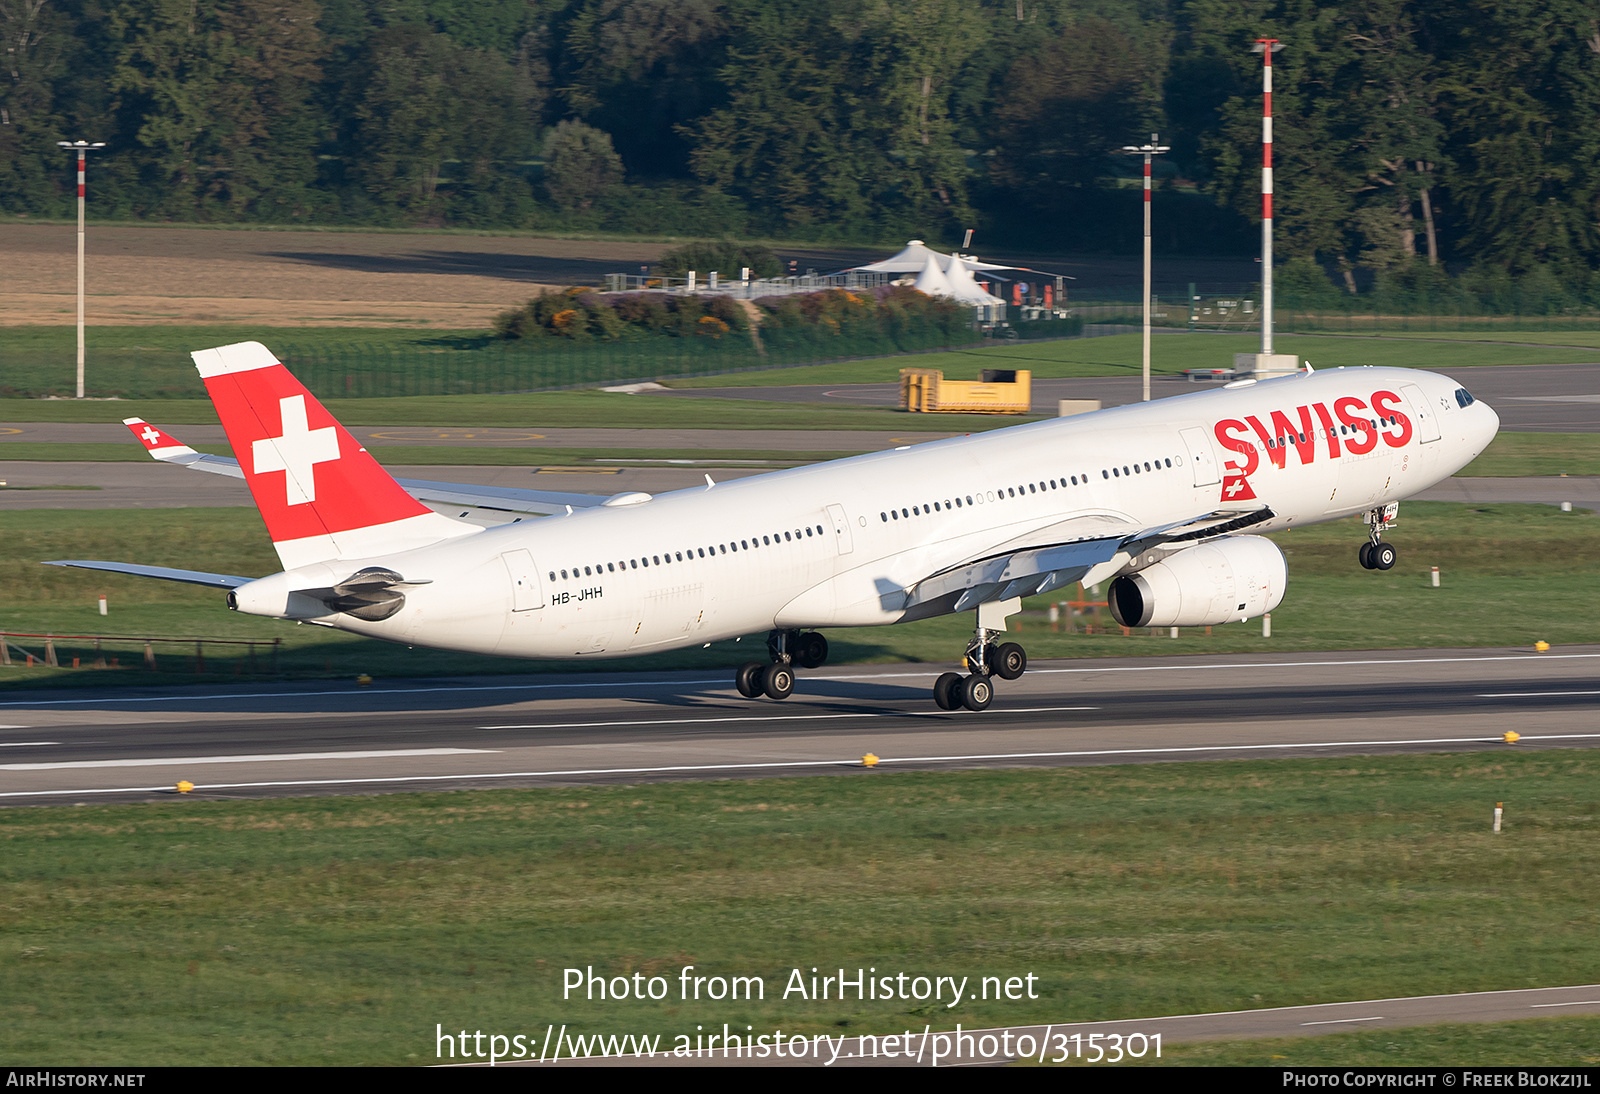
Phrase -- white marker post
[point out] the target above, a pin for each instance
(83, 148)
(1499, 811)
(1148, 151)
(1266, 364)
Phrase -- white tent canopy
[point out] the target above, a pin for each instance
(963, 287)
(916, 256)
(932, 279)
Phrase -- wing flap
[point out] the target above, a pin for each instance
(1031, 570)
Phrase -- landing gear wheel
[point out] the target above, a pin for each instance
(747, 678)
(1364, 555)
(778, 681)
(811, 651)
(1382, 556)
(976, 692)
(947, 691)
(1009, 661)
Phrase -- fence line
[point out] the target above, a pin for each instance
(52, 655)
(340, 371)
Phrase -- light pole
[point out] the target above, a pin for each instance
(83, 148)
(1266, 47)
(1148, 151)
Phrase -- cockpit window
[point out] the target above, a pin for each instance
(1464, 397)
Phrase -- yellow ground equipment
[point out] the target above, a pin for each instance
(1001, 391)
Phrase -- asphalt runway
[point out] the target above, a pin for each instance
(1528, 398)
(938, 1045)
(579, 728)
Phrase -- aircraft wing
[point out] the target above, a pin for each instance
(444, 495)
(1081, 543)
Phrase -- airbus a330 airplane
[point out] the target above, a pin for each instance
(1153, 497)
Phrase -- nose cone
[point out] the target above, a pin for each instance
(1486, 425)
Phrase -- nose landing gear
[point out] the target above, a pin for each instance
(1375, 554)
(787, 649)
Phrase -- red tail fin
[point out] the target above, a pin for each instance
(321, 494)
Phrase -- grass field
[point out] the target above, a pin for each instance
(1120, 355)
(341, 930)
(1519, 454)
(1512, 575)
(569, 409)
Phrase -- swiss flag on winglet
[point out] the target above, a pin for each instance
(157, 443)
(308, 476)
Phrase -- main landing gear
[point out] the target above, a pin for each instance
(952, 691)
(775, 680)
(1375, 554)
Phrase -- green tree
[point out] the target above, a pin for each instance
(580, 166)
(35, 38)
(424, 105)
(220, 92)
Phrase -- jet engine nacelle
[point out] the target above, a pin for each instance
(1224, 581)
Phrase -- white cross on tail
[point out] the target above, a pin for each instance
(296, 452)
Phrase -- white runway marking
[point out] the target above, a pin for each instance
(1531, 694)
(778, 718)
(771, 765)
(266, 758)
(1574, 1003)
(25, 744)
(727, 683)
(1340, 1021)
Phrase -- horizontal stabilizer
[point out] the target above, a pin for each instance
(164, 573)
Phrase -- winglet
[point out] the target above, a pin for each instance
(163, 446)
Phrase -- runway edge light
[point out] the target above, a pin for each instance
(1541, 646)
(184, 786)
(1511, 737)
(869, 760)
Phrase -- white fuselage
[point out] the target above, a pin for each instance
(838, 544)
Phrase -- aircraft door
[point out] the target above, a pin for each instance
(1201, 459)
(1422, 413)
(841, 528)
(527, 591)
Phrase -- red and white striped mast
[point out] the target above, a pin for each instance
(1148, 151)
(83, 148)
(1266, 47)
